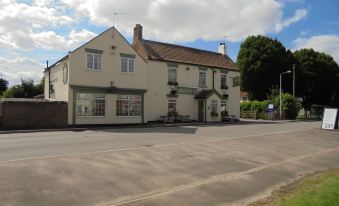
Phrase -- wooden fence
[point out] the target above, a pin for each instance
(248, 115)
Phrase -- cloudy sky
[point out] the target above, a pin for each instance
(33, 31)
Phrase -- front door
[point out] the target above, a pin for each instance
(201, 108)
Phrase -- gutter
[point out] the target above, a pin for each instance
(49, 81)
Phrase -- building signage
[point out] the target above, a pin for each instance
(186, 90)
(329, 118)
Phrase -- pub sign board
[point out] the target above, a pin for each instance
(330, 118)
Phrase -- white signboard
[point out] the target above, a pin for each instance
(329, 118)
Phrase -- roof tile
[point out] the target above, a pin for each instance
(174, 53)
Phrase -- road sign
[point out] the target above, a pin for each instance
(270, 107)
(329, 118)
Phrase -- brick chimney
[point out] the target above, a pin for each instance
(222, 48)
(137, 33)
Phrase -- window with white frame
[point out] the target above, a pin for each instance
(202, 78)
(214, 106)
(128, 105)
(92, 105)
(223, 80)
(172, 74)
(127, 65)
(172, 106)
(94, 61)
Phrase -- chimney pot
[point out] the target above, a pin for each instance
(137, 33)
(222, 48)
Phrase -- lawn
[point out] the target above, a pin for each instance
(318, 190)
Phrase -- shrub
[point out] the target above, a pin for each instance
(290, 105)
(245, 106)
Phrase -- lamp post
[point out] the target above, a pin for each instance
(293, 80)
(289, 71)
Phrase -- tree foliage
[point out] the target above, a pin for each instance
(26, 89)
(3, 85)
(261, 60)
(290, 105)
(317, 81)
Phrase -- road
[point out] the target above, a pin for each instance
(188, 165)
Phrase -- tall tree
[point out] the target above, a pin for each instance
(26, 89)
(261, 60)
(316, 78)
(3, 85)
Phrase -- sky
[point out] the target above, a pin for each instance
(34, 31)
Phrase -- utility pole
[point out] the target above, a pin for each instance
(293, 80)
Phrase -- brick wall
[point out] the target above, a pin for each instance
(33, 115)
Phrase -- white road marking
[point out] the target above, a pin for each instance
(147, 147)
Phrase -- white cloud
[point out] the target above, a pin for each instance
(182, 21)
(46, 24)
(23, 26)
(299, 14)
(51, 40)
(15, 68)
(323, 43)
(76, 38)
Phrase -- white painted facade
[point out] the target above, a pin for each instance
(70, 77)
(188, 77)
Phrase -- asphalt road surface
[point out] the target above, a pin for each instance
(188, 165)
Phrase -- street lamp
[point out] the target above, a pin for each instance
(289, 71)
(293, 80)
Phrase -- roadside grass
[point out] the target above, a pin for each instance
(321, 189)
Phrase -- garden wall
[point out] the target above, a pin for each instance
(32, 114)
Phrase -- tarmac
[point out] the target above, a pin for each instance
(215, 164)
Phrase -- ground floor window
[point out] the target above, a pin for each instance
(223, 108)
(88, 104)
(214, 107)
(172, 106)
(128, 105)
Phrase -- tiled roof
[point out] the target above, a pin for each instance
(173, 53)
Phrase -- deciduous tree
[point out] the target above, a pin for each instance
(317, 81)
(261, 60)
(3, 85)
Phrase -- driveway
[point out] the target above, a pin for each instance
(190, 165)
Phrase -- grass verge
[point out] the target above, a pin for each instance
(321, 189)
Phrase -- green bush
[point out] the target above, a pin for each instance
(245, 106)
(290, 105)
(254, 106)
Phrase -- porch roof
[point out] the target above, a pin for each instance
(206, 93)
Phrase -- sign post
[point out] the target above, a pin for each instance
(330, 118)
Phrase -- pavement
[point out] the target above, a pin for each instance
(184, 165)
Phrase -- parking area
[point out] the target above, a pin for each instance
(188, 165)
